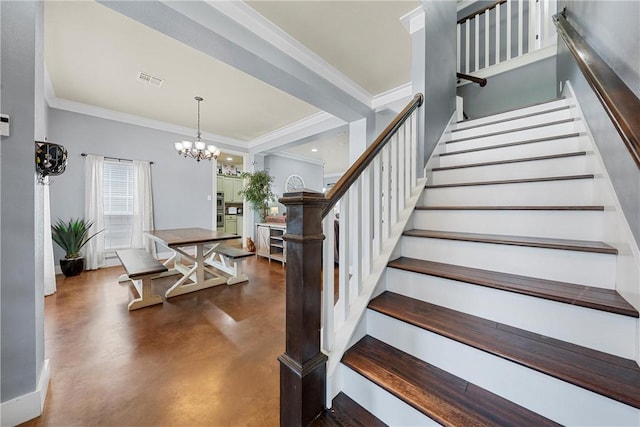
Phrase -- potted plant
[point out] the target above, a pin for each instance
(257, 191)
(72, 236)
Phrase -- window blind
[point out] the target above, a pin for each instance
(118, 204)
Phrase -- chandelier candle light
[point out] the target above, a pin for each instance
(198, 150)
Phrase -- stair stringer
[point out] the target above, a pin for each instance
(615, 229)
(352, 329)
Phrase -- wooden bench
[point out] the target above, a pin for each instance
(229, 260)
(141, 267)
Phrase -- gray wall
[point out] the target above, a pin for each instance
(440, 70)
(611, 29)
(281, 167)
(21, 217)
(180, 186)
(534, 83)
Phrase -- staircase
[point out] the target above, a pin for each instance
(501, 308)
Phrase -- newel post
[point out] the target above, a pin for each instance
(303, 365)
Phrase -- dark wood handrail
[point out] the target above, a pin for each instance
(620, 103)
(365, 159)
(478, 12)
(481, 81)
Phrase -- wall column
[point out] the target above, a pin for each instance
(24, 372)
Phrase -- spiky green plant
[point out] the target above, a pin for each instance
(72, 235)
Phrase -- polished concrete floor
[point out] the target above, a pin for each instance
(201, 359)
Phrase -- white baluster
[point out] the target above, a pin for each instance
(458, 52)
(365, 225)
(520, 14)
(497, 34)
(344, 249)
(508, 29)
(476, 50)
(408, 158)
(487, 27)
(546, 17)
(401, 161)
(414, 147)
(377, 205)
(386, 191)
(393, 181)
(355, 232)
(328, 315)
(467, 48)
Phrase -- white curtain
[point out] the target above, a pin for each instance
(142, 207)
(94, 211)
(49, 263)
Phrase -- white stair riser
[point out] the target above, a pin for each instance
(385, 406)
(599, 330)
(515, 136)
(574, 165)
(586, 268)
(514, 113)
(555, 399)
(538, 119)
(564, 192)
(576, 225)
(543, 148)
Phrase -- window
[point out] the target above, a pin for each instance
(118, 204)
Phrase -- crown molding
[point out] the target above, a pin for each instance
(298, 157)
(381, 101)
(314, 124)
(103, 113)
(249, 18)
(414, 20)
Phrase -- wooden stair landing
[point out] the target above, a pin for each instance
(535, 242)
(611, 376)
(346, 413)
(441, 396)
(580, 295)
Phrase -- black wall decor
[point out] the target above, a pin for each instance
(51, 159)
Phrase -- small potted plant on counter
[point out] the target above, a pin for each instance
(72, 236)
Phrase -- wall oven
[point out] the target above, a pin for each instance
(220, 210)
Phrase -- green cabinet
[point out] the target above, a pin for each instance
(231, 187)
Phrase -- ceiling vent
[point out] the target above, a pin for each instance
(149, 79)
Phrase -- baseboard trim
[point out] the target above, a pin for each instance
(28, 406)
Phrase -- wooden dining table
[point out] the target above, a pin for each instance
(191, 247)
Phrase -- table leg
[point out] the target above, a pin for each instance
(199, 281)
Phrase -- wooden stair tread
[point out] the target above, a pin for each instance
(523, 116)
(511, 208)
(502, 132)
(511, 144)
(346, 413)
(441, 396)
(512, 181)
(584, 296)
(602, 373)
(518, 160)
(536, 242)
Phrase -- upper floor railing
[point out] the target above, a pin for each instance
(620, 103)
(502, 31)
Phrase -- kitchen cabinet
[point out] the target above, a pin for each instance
(240, 224)
(231, 187)
(219, 183)
(231, 224)
(238, 185)
(270, 243)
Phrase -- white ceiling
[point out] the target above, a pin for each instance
(93, 55)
